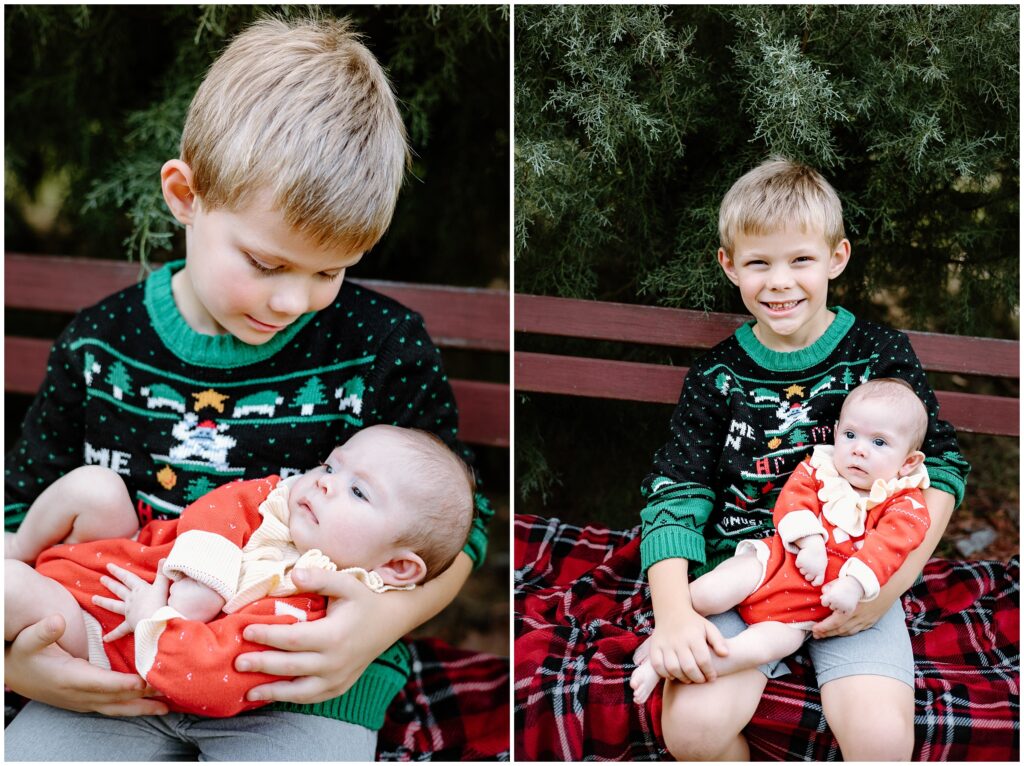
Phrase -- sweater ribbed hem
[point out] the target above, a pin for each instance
(670, 543)
(219, 351)
(948, 482)
(365, 704)
(790, 361)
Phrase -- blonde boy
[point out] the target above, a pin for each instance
(243, 362)
(749, 412)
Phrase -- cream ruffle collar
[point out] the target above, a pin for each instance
(843, 505)
(269, 557)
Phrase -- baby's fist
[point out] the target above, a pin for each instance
(812, 561)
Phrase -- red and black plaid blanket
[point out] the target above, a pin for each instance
(453, 708)
(581, 610)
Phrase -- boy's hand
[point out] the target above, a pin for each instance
(136, 599)
(812, 559)
(35, 667)
(327, 656)
(842, 595)
(681, 648)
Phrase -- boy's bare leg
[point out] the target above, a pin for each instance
(30, 597)
(702, 722)
(89, 503)
(881, 731)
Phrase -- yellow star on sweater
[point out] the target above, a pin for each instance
(794, 390)
(210, 398)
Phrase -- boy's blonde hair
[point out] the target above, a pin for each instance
(444, 501)
(899, 394)
(300, 109)
(776, 194)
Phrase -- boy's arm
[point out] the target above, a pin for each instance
(52, 436)
(947, 468)
(680, 490)
(940, 506)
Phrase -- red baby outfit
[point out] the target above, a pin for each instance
(866, 537)
(232, 540)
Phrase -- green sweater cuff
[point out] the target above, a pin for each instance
(367, 702)
(948, 481)
(673, 542)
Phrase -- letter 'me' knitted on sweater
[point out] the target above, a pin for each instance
(130, 386)
(745, 419)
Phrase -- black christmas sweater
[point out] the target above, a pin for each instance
(130, 386)
(745, 419)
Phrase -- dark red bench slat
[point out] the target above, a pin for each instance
(483, 407)
(635, 381)
(684, 328)
(456, 317)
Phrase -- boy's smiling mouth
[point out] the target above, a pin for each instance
(781, 306)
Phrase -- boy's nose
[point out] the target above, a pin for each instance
(779, 278)
(289, 300)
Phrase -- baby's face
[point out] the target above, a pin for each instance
(872, 443)
(353, 508)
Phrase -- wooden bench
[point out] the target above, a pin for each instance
(680, 328)
(460, 318)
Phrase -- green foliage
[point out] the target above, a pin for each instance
(633, 121)
(96, 98)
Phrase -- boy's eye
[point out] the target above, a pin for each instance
(260, 267)
(329, 277)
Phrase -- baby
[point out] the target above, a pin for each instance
(392, 506)
(847, 517)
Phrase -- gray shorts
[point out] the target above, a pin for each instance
(44, 733)
(881, 650)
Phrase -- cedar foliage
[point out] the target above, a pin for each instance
(96, 98)
(631, 122)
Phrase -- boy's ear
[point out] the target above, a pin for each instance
(176, 182)
(840, 258)
(725, 261)
(914, 459)
(404, 568)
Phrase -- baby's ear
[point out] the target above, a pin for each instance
(404, 568)
(914, 459)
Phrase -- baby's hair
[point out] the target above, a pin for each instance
(445, 501)
(300, 109)
(776, 194)
(898, 393)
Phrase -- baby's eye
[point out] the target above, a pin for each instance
(358, 492)
(848, 434)
(878, 442)
(327, 467)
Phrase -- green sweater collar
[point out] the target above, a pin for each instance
(220, 351)
(788, 361)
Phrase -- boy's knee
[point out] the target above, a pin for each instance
(693, 733)
(877, 732)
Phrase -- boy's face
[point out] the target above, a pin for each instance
(249, 274)
(783, 280)
(355, 506)
(872, 443)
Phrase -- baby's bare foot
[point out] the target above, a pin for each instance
(643, 681)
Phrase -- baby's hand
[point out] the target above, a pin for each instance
(194, 601)
(812, 560)
(136, 599)
(842, 595)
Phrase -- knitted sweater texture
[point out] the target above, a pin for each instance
(748, 416)
(131, 386)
